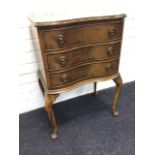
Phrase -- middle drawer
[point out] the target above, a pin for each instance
(62, 60)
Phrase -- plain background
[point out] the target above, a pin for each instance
(145, 63)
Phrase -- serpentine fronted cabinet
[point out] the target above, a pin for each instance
(77, 51)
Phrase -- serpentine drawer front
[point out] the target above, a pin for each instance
(64, 37)
(85, 71)
(62, 60)
(75, 52)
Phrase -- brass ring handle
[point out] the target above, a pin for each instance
(110, 51)
(64, 78)
(61, 40)
(62, 60)
(112, 32)
(109, 68)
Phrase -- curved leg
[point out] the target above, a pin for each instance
(41, 86)
(95, 88)
(118, 81)
(49, 99)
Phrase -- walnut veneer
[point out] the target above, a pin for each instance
(78, 51)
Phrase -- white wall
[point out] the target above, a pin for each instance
(30, 94)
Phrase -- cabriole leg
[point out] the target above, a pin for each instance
(49, 99)
(41, 86)
(118, 81)
(95, 88)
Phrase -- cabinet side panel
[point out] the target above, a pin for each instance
(121, 42)
(43, 59)
(41, 71)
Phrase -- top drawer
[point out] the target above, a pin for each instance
(73, 36)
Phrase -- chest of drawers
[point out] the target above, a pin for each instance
(78, 51)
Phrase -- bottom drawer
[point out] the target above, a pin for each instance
(83, 72)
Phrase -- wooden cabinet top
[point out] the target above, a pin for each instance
(52, 19)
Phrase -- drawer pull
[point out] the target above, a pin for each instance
(108, 68)
(112, 32)
(110, 52)
(61, 40)
(62, 60)
(64, 78)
